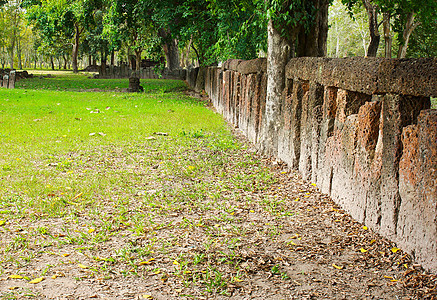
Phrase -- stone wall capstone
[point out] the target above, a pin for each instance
(361, 129)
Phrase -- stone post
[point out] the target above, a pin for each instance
(134, 85)
(11, 80)
(6, 81)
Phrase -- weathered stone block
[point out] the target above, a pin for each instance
(232, 64)
(6, 81)
(369, 75)
(11, 84)
(200, 80)
(284, 133)
(134, 85)
(417, 223)
(252, 66)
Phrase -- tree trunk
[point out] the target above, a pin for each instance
(138, 59)
(171, 49)
(76, 48)
(112, 57)
(20, 66)
(372, 13)
(197, 54)
(185, 59)
(409, 28)
(278, 54)
(11, 55)
(52, 63)
(103, 63)
(387, 35)
(314, 42)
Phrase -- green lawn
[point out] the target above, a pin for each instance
(48, 136)
(112, 165)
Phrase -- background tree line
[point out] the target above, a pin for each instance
(62, 33)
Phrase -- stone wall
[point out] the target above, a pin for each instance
(361, 129)
(124, 71)
(7, 79)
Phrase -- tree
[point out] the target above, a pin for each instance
(295, 28)
(348, 34)
(12, 16)
(129, 22)
(403, 16)
(62, 19)
(424, 41)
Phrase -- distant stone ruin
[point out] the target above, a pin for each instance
(123, 71)
(8, 77)
(134, 85)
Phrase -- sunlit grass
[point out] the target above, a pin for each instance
(77, 168)
(68, 81)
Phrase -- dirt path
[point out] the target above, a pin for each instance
(244, 228)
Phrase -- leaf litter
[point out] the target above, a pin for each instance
(221, 223)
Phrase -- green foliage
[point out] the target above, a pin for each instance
(423, 42)
(399, 11)
(348, 31)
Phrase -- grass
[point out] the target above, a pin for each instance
(78, 169)
(67, 81)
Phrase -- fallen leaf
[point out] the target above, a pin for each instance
(365, 227)
(236, 279)
(388, 277)
(150, 138)
(2, 223)
(15, 276)
(313, 184)
(337, 267)
(148, 262)
(91, 230)
(146, 296)
(176, 262)
(65, 254)
(82, 266)
(394, 249)
(13, 288)
(36, 280)
(161, 133)
(77, 196)
(363, 250)
(54, 276)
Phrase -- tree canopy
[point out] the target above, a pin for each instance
(206, 32)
